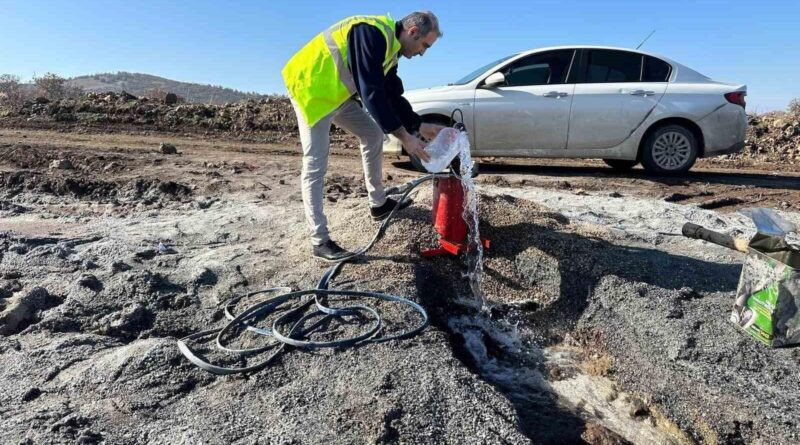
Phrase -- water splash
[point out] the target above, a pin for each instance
(474, 254)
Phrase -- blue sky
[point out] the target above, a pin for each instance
(244, 44)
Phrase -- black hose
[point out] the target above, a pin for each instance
(294, 336)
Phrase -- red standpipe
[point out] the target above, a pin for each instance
(448, 220)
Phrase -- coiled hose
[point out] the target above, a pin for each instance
(294, 335)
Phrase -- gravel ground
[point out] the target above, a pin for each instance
(601, 326)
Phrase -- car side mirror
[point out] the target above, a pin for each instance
(494, 80)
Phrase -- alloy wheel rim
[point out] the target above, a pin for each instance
(671, 150)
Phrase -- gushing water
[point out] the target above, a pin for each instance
(443, 149)
(474, 252)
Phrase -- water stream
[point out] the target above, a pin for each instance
(474, 254)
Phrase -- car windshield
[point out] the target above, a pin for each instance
(471, 76)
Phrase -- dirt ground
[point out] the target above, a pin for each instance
(602, 324)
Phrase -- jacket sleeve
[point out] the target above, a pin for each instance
(394, 90)
(366, 52)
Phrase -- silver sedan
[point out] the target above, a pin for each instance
(620, 105)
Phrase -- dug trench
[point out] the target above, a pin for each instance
(592, 333)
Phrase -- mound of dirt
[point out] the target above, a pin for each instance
(145, 190)
(270, 120)
(773, 137)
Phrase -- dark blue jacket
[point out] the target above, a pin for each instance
(381, 94)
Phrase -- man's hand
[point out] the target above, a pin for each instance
(415, 147)
(412, 144)
(430, 131)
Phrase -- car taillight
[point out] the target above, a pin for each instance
(736, 98)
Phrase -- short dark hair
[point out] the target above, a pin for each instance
(426, 21)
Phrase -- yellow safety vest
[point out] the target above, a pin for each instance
(318, 76)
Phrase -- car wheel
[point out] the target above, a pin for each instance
(670, 150)
(621, 165)
(415, 162)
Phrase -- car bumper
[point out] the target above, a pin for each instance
(735, 148)
(724, 130)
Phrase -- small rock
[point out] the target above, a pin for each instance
(31, 394)
(89, 437)
(203, 202)
(110, 166)
(596, 434)
(62, 164)
(91, 282)
(615, 195)
(281, 182)
(638, 409)
(124, 95)
(167, 149)
(171, 99)
(687, 293)
(22, 310)
(119, 266)
(205, 277)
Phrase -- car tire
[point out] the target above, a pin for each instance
(670, 150)
(415, 162)
(620, 165)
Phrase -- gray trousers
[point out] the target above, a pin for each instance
(316, 148)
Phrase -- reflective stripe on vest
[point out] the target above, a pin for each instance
(345, 74)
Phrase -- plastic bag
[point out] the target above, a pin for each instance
(443, 148)
(768, 222)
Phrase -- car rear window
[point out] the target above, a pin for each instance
(655, 70)
(540, 69)
(605, 66)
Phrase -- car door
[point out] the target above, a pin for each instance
(611, 98)
(529, 111)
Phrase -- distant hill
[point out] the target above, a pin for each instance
(141, 84)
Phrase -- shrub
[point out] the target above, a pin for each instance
(794, 107)
(12, 93)
(54, 87)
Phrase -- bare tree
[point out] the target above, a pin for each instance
(794, 107)
(54, 87)
(12, 94)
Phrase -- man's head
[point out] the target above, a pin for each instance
(420, 31)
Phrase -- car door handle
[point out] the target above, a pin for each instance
(642, 93)
(555, 94)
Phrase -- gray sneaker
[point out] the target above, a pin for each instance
(330, 251)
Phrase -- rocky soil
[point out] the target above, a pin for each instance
(772, 138)
(602, 326)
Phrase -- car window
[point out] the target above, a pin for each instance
(655, 70)
(604, 66)
(471, 76)
(539, 69)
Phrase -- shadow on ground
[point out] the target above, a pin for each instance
(569, 266)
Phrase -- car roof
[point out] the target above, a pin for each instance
(615, 48)
(682, 72)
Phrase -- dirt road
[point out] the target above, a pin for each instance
(603, 325)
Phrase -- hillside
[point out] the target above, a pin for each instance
(140, 84)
